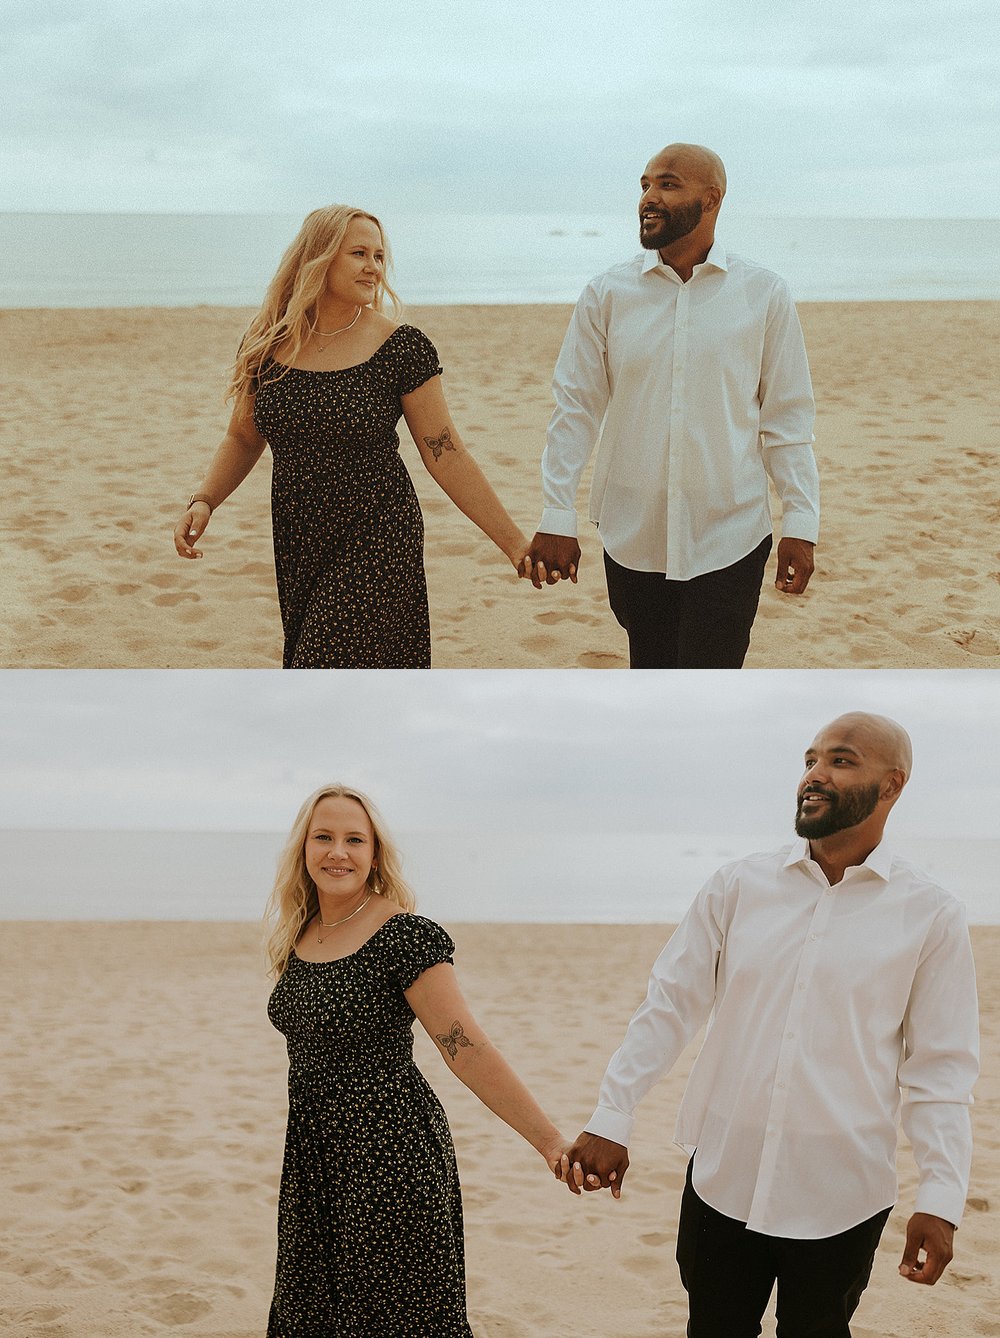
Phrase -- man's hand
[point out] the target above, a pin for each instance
(597, 1163)
(931, 1235)
(795, 565)
(549, 559)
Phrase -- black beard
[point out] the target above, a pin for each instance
(673, 226)
(843, 810)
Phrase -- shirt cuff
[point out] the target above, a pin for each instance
(800, 525)
(940, 1201)
(607, 1122)
(558, 520)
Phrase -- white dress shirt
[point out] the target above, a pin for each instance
(830, 1007)
(703, 390)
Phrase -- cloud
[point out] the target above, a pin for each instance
(180, 106)
(514, 753)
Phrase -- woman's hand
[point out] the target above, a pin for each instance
(191, 526)
(517, 552)
(556, 1154)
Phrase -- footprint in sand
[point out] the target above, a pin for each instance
(40, 1314)
(643, 1264)
(177, 1308)
(600, 659)
(567, 615)
(73, 594)
(655, 1238)
(169, 601)
(975, 642)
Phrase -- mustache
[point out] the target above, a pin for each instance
(815, 789)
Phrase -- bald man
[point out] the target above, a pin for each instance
(838, 985)
(688, 363)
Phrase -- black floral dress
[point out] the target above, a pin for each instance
(370, 1241)
(348, 533)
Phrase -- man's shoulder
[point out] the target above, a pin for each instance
(755, 274)
(625, 273)
(923, 885)
(756, 862)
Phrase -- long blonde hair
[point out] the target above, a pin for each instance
(292, 295)
(293, 899)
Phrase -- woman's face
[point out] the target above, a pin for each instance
(357, 269)
(340, 848)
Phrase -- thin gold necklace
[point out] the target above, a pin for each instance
(333, 925)
(329, 334)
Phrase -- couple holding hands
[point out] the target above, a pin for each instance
(838, 985)
(687, 363)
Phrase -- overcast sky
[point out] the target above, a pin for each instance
(841, 107)
(498, 752)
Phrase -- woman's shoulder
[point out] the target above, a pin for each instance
(414, 926)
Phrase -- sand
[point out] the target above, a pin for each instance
(111, 417)
(144, 1114)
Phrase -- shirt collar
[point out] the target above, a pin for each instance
(717, 258)
(879, 861)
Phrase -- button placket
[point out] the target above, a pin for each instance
(787, 1055)
(681, 317)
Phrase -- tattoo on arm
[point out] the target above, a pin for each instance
(451, 1040)
(438, 445)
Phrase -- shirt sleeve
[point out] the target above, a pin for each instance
(940, 1063)
(420, 945)
(792, 470)
(787, 418)
(680, 997)
(581, 389)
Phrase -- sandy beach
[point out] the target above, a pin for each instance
(143, 1129)
(112, 415)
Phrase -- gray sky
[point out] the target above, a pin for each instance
(500, 752)
(841, 108)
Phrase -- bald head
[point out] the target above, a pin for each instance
(876, 736)
(695, 162)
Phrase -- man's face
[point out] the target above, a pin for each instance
(841, 786)
(670, 206)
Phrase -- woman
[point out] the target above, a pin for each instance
(369, 1211)
(322, 377)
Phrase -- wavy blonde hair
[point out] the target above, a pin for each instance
(294, 901)
(289, 307)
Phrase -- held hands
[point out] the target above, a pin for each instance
(191, 526)
(593, 1163)
(549, 558)
(933, 1237)
(795, 565)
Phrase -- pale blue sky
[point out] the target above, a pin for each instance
(513, 753)
(841, 108)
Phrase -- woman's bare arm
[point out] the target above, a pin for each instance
(437, 1000)
(453, 468)
(237, 453)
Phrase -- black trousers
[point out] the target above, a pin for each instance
(729, 1273)
(703, 623)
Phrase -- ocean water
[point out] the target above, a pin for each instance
(567, 877)
(114, 260)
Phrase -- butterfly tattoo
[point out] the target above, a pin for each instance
(453, 1039)
(438, 445)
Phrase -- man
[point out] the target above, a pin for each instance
(837, 977)
(694, 362)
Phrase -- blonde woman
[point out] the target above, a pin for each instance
(322, 377)
(370, 1212)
